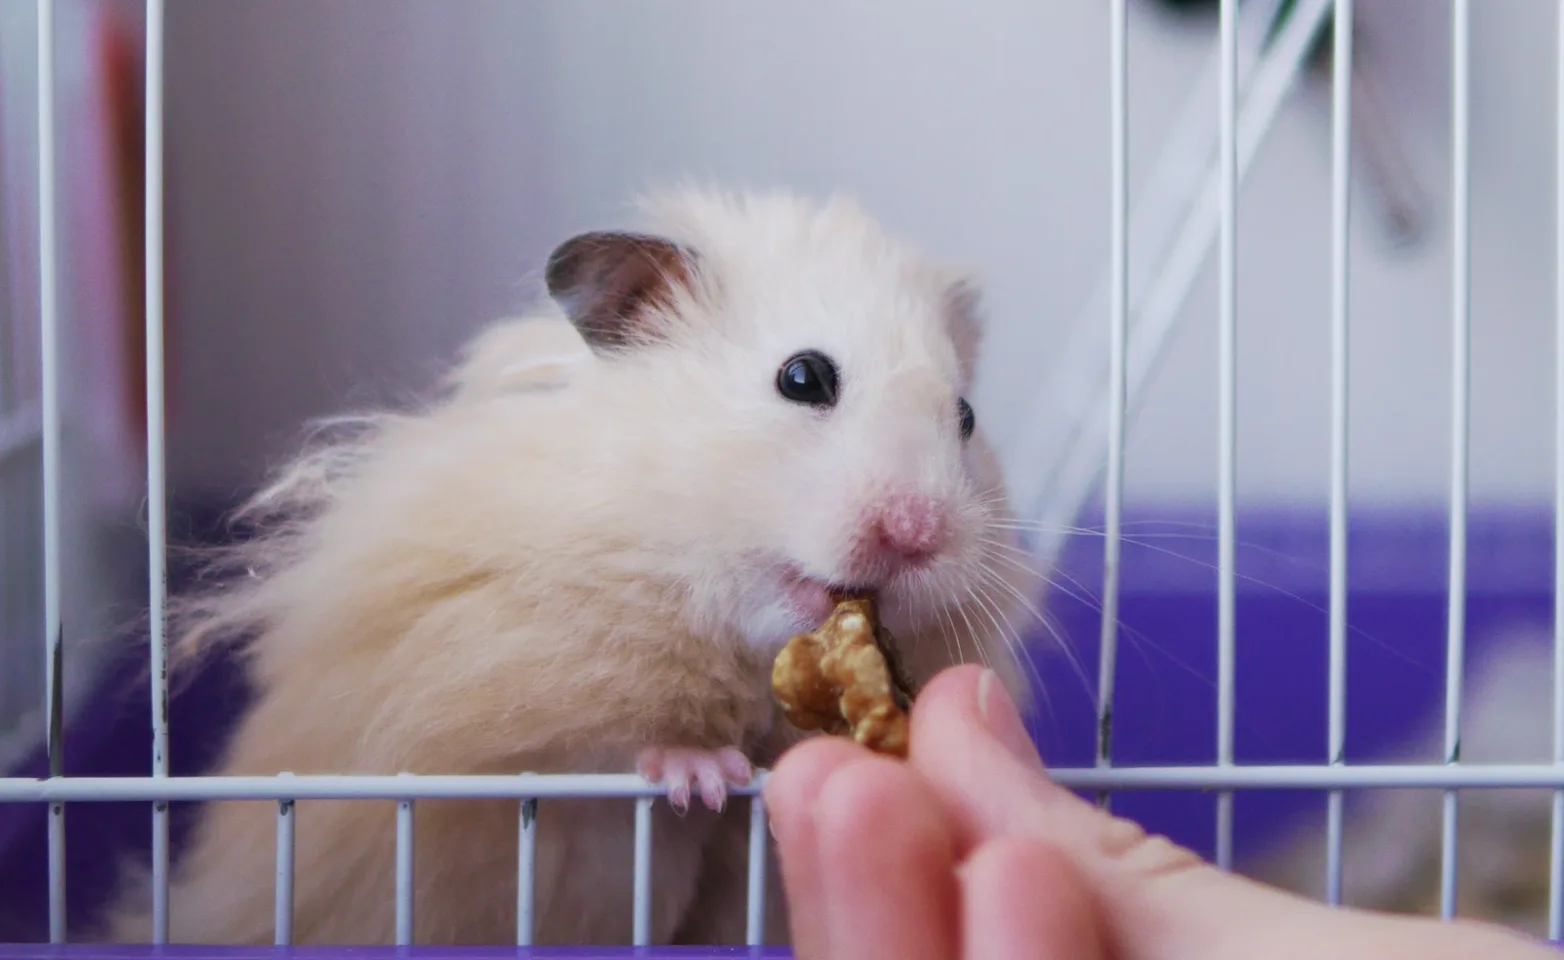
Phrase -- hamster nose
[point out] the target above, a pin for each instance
(910, 526)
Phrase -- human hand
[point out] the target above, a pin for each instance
(969, 850)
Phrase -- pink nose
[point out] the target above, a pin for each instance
(911, 525)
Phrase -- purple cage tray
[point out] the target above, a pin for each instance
(82, 952)
(1165, 691)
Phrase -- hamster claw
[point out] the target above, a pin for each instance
(682, 770)
(679, 797)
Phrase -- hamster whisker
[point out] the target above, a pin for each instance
(1014, 639)
(992, 497)
(1001, 624)
(972, 631)
(1015, 646)
(1085, 597)
(990, 575)
(939, 582)
(932, 585)
(1080, 594)
(1032, 607)
(1034, 526)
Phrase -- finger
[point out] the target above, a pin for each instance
(792, 792)
(889, 883)
(964, 745)
(959, 745)
(968, 742)
(1023, 898)
(1152, 897)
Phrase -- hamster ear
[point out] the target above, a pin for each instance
(605, 282)
(964, 315)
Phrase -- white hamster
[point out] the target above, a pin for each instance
(583, 556)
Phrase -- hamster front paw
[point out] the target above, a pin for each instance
(680, 769)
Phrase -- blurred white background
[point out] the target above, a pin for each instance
(359, 185)
(355, 187)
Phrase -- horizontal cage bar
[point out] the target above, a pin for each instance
(630, 787)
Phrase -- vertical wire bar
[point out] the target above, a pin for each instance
(283, 921)
(48, 309)
(1228, 363)
(755, 926)
(526, 871)
(1118, 325)
(404, 873)
(642, 902)
(1461, 321)
(157, 487)
(1556, 856)
(1341, 139)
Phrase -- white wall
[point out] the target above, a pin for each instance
(361, 183)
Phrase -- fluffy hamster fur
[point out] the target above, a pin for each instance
(592, 543)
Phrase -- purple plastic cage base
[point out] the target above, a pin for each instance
(85, 952)
(1166, 688)
(82, 952)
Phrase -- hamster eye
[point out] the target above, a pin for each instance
(968, 418)
(809, 378)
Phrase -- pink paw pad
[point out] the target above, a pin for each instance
(681, 770)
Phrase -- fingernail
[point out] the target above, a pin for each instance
(1003, 720)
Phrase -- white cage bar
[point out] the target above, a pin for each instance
(49, 321)
(404, 871)
(1556, 853)
(642, 933)
(1172, 229)
(1118, 332)
(1227, 373)
(526, 870)
(157, 486)
(755, 921)
(1341, 146)
(1460, 458)
(283, 920)
(1314, 777)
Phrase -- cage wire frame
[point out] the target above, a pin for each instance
(1244, 114)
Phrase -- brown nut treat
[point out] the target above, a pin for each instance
(843, 679)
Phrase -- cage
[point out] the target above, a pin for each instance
(1222, 739)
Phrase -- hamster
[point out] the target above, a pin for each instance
(582, 556)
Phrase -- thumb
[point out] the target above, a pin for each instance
(1155, 899)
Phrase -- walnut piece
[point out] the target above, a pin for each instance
(843, 680)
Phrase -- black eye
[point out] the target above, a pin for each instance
(808, 378)
(968, 418)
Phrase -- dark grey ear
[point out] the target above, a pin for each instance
(605, 282)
